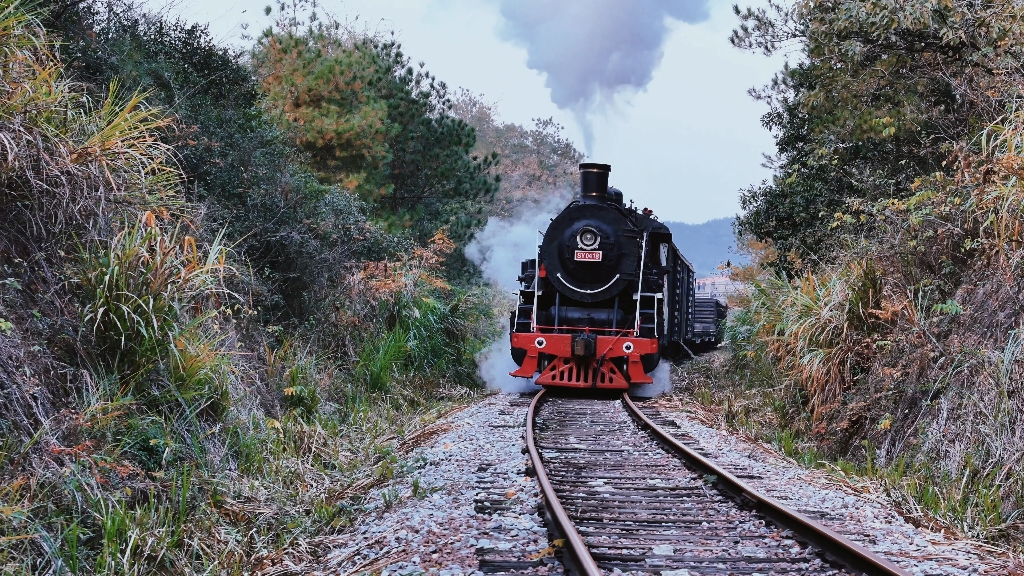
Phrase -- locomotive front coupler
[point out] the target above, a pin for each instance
(584, 345)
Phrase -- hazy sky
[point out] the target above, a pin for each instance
(674, 120)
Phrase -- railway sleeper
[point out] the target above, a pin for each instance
(631, 499)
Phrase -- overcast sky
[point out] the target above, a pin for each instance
(663, 100)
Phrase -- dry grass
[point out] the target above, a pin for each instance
(66, 163)
(147, 424)
(903, 359)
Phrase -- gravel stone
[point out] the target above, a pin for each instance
(476, 509)
(480, 511)
(864, 516)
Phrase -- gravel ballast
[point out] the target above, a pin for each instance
(859, 513)
(468, 506)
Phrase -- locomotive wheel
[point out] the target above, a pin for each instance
(650, 362)
(518, 355)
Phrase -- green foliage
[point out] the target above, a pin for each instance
(435, 181)
(136, 539)
(436, 339)
(296, 373)
(304, 246)
(327, 94)
(225, 144)
(431, 338)
(373, 123)
(949, 307)
(380, 359)
(880, 93)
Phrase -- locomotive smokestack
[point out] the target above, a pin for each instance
(594, 181)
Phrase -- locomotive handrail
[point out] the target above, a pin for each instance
(640, 286)
(583, 328)
(536, 282)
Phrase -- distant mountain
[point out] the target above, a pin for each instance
(706, 245)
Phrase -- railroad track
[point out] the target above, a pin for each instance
(625, 495)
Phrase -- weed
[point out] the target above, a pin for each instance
(141, 288)
(390, 498)
(949, 308)
(297, 374)
(380, 359)
(704, 396)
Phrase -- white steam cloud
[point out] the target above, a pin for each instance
(495, 362)
(504, 243)
(498, 250)
(662, 377)
(590, 50)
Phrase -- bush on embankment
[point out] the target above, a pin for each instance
(210, 346)
(882, 333)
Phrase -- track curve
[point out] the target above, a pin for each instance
(626, 495)
(581, 557)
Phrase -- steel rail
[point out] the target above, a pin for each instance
(575, 545)
(831, 543)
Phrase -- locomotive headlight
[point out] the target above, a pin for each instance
(588, 238)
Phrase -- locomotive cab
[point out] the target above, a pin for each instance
(607, 294)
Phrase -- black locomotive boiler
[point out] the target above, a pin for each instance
(607, 295)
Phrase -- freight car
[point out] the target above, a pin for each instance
(708, 323)
(606, 297)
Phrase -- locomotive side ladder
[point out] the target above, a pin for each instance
(646, 302)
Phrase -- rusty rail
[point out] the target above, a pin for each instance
(832, 544)
(574, 542)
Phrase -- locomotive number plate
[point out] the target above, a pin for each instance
(591, 255)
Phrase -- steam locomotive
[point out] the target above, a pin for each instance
(607, 295)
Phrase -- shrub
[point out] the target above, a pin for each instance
(68, 164)
(906, 351)
(225, 145)
(879, 94)
(143, 290)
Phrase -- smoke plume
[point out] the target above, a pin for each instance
(498, 250)
(591, 49)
